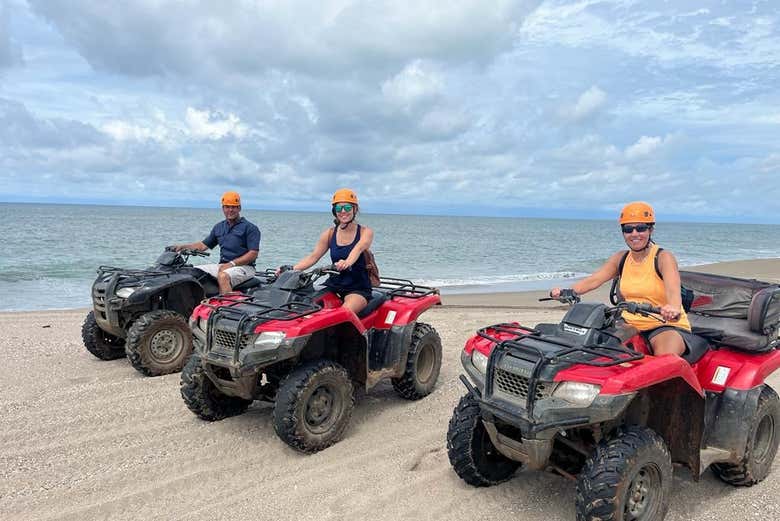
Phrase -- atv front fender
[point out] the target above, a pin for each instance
(633, 376)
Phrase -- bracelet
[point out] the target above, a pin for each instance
(233, 263)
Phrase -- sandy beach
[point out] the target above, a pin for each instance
(84, 439)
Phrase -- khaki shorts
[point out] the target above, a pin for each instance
(237, 274)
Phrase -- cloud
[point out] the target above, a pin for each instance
(206, 125)
(588, 104)
(315, 38)
(416, 83)
(644, 146)
(10, 51)
(575, 106)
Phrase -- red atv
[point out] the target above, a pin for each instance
(585, 399)
(291, 343)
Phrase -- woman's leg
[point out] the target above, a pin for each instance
(668, 342)
(355, 302)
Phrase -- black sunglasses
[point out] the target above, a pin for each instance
(629, 228)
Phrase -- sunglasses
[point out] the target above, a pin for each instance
(629, 228)
(342, 208)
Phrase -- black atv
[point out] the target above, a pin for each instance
(292, 343)
(143, 313)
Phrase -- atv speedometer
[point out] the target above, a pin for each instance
(577, 393)
(479, 360)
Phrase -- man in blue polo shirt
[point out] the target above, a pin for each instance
(239, 243)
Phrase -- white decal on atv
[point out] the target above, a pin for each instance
(574, 329)
(721, 374)
(390, 317)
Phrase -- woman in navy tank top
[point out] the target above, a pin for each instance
(347, 241)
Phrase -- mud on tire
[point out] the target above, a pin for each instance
(159, 342)
(763, 439)
(422, 364)
(203, 398)
(313, 406)
(101, 344)
(473, 456)
(628, 476)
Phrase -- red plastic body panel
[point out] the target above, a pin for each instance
(633, 376)
(745, 370)
(400, 311)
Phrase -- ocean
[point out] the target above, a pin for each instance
(51, 252)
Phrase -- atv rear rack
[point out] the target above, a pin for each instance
(615, 355)
(404, 288)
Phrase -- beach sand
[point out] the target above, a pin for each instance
(84, 439)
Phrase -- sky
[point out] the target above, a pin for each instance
(466, 107)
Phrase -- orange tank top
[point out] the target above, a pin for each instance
(640, 283)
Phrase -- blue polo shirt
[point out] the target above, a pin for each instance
(234, 241)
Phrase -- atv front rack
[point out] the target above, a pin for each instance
(615, 355)
(404, 288)
(249, 319)
(130, 273)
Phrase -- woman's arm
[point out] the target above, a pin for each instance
(607, 271)
(667, 264)
(366, 238)
(319, 250)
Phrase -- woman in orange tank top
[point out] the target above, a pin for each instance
(640, 282)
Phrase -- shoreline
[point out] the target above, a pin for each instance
(767, 270)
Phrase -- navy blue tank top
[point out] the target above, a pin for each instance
(354, 277)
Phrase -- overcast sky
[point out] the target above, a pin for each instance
(471, 107)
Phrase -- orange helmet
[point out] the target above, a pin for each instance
(344, 195)
(231, 199)
(637, 212)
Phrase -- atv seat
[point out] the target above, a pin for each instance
(249, 284)
(377, 299)
(697, 348)
(731, 332)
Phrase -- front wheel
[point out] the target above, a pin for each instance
(101, 344)
(313, 406)
(159, 342)
(473, 456)
(762, 444)
(203, 398)
(422, 364)
(628, 477)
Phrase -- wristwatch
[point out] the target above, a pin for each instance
(233, 263)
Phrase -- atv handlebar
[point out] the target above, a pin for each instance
(188, 252)
(566, 296)
(641, 308)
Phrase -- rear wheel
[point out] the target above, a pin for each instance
(313, 406)
(203, 398)
(422, 364)
(159, 342)
(761, 449)
(627, 478)
(473, 456)
(101, 344)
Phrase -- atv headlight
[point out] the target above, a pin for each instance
(577, 393)
(125, 292)
(269, 339)
(480, 361)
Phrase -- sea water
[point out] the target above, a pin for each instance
(50, 252)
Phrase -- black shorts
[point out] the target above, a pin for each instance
(686, 335)
(365, 293)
